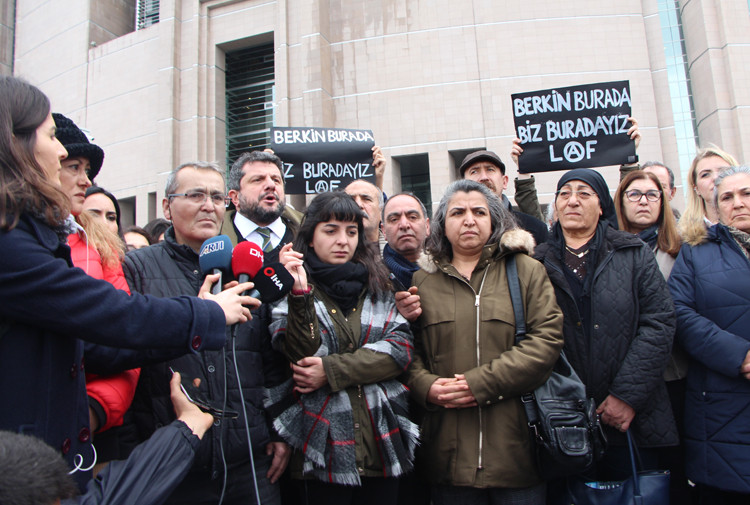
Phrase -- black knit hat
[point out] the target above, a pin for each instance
(472, 158)
(77, 144)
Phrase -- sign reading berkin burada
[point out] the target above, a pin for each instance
(574, 127)
(322, 159)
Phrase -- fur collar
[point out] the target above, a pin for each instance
(515, 240)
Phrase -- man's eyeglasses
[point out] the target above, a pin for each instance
(565, 194)
(199, 197)
(635, 195)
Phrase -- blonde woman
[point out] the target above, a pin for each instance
(700, 211)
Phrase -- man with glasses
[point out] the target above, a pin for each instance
(256, 188)
(195, 202)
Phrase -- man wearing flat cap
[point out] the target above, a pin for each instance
(485, 167)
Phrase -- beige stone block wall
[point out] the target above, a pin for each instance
(7, 34)
(425, 76)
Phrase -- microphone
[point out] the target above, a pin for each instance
(215, 257)
(272, 281)
(247, 260)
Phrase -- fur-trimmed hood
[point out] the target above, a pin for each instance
(515, 240)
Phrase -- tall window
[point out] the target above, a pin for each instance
(686, 129)
(146, 13)
(249, 82)
(415, 177)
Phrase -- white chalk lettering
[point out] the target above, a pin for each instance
(573, 151)
(600, 99)
(349, 136)
(288, 171)
(323, 170)
(309, 136)
(321, 186)
(529, 133)
(540, 104)
(586, 127)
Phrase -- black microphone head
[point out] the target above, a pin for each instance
(216, 253)
(272, 282)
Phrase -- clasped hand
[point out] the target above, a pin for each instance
(451, 393)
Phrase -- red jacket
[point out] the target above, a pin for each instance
(113, 392)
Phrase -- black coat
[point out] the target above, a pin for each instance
(167, 269)
(631, 326)
(45, 307)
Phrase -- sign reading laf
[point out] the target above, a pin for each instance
(322, 159)
(574, 127)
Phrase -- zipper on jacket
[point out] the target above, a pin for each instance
(477, 297)
(479, 408)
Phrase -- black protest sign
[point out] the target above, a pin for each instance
(575, 127)
(323, 159)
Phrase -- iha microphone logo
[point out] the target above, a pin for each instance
(271, 274)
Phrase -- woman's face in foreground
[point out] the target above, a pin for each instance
(48, 151)
(468, 225)
(334, 241)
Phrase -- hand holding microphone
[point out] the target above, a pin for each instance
(215, 259)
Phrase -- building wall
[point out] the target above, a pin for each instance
(427, 76)
(7, 28)
(717, 39)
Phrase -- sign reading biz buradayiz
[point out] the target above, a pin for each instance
(575, 127)
(322, 159)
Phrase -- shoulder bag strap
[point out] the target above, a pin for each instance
(514, 286)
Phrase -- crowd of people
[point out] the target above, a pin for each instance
(390, 372)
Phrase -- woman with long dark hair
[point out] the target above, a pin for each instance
(347, 343)
(46, 305)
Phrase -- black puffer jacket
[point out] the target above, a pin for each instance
(168, 269)
(631, 327)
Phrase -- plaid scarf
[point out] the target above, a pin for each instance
(321, 425)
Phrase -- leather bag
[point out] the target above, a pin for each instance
(565, 429)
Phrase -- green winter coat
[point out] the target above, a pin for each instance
(487, 445)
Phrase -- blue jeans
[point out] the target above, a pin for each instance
(450, 495)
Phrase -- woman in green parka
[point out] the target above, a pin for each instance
(467, 371)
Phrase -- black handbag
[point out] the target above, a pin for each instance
(566, 433)
(641, 488)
